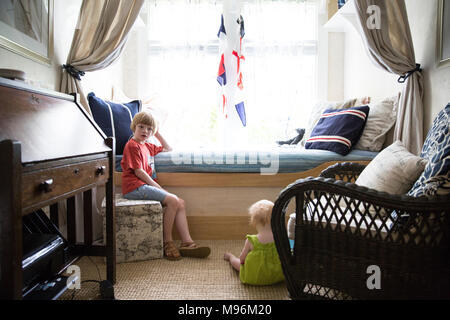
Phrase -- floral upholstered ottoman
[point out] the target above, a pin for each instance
(139, 229)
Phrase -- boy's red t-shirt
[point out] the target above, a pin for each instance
(137, 156)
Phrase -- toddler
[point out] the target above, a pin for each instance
(258, 263)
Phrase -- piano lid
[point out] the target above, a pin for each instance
(49, 125)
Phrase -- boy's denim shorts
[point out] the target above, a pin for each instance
(146, 192)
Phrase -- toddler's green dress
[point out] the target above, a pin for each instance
(262, 265)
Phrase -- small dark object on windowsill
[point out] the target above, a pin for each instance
(294, 140)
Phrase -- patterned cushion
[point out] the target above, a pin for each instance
(435, 178)
(338, 130)
(114, 118)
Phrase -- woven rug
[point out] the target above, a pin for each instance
(187, 279)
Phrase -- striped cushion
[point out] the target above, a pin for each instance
(114, 118)
(279, 159)
(338, 130)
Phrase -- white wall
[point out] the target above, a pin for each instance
(336, 62)
(361, 77)
(423, 23)
(134, 61)
(41, 75)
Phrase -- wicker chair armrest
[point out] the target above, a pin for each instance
(351, 189)
(305, 190)
(347, 171)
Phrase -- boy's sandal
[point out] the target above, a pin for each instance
(191, 249)
(171, 252)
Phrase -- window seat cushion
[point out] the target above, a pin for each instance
(267, 161)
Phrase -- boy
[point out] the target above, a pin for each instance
(138, 183)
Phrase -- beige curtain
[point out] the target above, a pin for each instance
(99, 38)
(388, 41)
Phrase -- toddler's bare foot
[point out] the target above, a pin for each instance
(227, 256)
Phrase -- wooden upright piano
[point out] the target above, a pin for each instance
(50, 150)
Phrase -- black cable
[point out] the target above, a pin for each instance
(98, 270)
(90, 280)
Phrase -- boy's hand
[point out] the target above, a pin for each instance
(141, 174)
(165, 145)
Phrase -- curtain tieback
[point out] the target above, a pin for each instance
(77, 74)
(402, 79)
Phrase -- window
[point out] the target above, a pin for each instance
(279, 72)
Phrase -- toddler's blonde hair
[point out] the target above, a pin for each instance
(145, 118)
(260, 213)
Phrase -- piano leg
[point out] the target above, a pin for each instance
(110, 217)
(10, 220)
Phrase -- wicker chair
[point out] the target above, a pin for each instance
(342, 230)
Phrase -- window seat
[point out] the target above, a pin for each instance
(265, 161)
(218, 192)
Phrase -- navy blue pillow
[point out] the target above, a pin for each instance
(338, 130)
(114, 118)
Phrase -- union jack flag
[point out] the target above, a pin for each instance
(232, 86)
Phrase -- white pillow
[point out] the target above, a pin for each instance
(382, 117)
(394, 170)
(150, 103)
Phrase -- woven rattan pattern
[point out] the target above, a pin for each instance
(344, 228)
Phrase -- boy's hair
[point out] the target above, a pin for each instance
(260, 213)
(143, 117)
